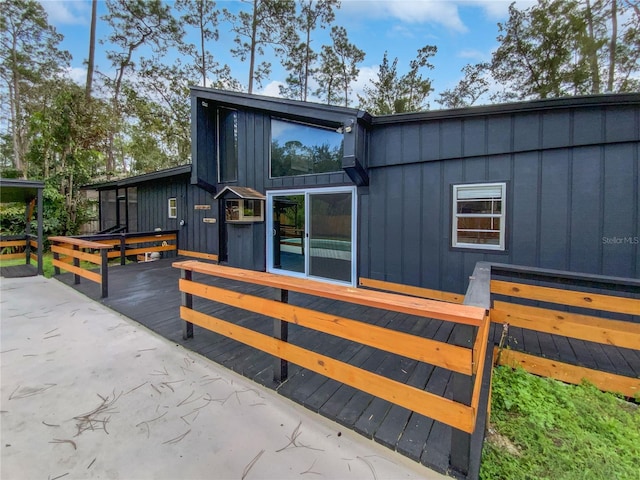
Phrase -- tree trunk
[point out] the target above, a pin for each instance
(204, 56)
(16, 115)
(116, 107)
(593, 54)
(92, 49)
(252, 57)
(307, 60)
(613, 45)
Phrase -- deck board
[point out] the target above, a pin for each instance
(18, 271)
(148, 293)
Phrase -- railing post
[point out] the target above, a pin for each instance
(465, 455)
(104, 272)
(123, 247)
(281, 332)
(187, 301)
(40, 234)
(462, 393)
(27, 235)
(56, 256)
(27, 249)
(76, 263)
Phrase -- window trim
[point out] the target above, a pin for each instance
(501, 247)
(173, 207)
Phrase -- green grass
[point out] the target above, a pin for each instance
(544, 429)
(47, 264)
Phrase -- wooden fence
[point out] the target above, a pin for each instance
(99, 249)
(69, 251)
(411, 290)
(467, 361)
(557, 318)
(125, 245)
(18, 246)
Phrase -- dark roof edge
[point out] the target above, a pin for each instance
(601, 100)
(146, 177)
(20, 183)
(275, 104)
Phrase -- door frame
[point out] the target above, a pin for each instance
(307, 192)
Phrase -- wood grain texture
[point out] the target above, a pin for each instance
(464, 314)
(79, 254)
(425, 350)
(93, 276)
(411, 290)
(441, 409)
(583, 327)
(567, 373)
(592, 301)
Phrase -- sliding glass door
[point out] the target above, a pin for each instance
(312, 233)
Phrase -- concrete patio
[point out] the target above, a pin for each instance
(88, 393)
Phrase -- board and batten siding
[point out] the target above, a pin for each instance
(572, 197)
(254, 150)
(194, 235)
(247, 243)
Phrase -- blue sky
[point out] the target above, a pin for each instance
(464, 31)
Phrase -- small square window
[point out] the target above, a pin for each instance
(173, 208)
(479, 216)
(244, 210)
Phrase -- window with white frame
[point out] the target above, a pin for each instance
(173, 208)
(479, 216)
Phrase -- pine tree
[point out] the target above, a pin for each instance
(29, 56)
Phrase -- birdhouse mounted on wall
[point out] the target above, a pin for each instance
(242, 204)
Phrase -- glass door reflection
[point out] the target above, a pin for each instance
(330, 235)
(289, 233)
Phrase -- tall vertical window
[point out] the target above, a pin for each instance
(479, 216)
(227, 145)
(173, 208)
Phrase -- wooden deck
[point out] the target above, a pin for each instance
(17, 271)
(596, 356)
(148, 293)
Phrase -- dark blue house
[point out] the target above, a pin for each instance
(420, 198)
(333, 193)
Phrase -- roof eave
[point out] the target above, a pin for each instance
(601, 100)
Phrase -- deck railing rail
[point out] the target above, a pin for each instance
(133, 244)
(19, 246)
(590, 308)
(100, 248)
(69, 251)
(466, 359)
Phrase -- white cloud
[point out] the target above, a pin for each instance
(78, 75)
(366, 74)
(401, 31)
(67, 12)
(472, 54)
(442, 12)
(272, 89)
(498, 9)
(409, 11)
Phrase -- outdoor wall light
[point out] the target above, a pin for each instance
(346, 128)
